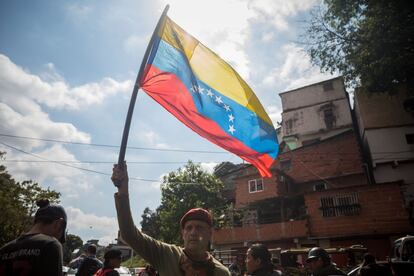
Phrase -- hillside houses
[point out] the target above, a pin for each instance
(325, 189)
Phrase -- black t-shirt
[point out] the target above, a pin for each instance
(33, 254)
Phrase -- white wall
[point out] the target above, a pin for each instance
(389, 144)
(312, 94)
(310, 120)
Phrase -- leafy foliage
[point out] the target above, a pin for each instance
(186, 188)
(72, 242)
(150, 223)
(369, 42)
(18, 203)
(135, 261)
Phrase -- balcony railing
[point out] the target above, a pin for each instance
(261, 232)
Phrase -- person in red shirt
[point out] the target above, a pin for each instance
(113, 258)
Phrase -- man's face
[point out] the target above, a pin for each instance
(315, 263)
(252, 264)
(115, 262)
(196, 235)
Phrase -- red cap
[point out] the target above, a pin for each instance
(197, 214)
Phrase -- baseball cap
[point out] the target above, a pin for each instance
(317, 252)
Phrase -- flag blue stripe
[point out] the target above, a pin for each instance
(249, 128)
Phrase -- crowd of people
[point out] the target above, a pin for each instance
(39, 251)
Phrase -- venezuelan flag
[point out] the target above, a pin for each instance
(208, 95)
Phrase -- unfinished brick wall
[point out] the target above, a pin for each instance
(382, 211)
(244, 197)
(335, 157)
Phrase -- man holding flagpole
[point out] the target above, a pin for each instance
(196, 229)
(207, 95)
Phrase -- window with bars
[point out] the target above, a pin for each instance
(340, 205)
(256, 185)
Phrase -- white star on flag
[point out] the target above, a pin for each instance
(209, 93)
(232, 129)
(194, 88)
(231, 118)
(218, 100)
(226, 107)
(200, 90)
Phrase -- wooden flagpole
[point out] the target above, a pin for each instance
(125, 134)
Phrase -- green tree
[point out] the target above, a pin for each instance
(370, 43)
(72, 242)
(188, 187)
(18, 203)
(150, 223)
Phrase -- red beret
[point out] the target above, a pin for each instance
(197, 214)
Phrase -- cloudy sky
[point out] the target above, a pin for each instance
(67, 70)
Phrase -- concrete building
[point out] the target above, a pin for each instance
(315, 112)
(386, 127)
(320, 193)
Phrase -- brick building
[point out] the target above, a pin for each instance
(319, 195)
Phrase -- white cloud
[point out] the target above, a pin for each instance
(278, 11)
(71, 182)
(151, 139)
(133, 42)
(23, 94)
(105, 228)
(209, 22)
(296, 70)
(212, 22)
(50, 73)
(275, 114)
(266, 37)
(208, 167)
(17, 83)
(22, 113)
(33, 122)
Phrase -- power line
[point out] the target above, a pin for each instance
(173, 150)
(94, 162)
(71, 166)
(91, 171)
(108, 146)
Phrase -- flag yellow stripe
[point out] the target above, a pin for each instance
(212, 70)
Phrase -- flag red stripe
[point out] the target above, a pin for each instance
(172, 94)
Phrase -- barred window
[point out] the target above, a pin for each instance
(256, 185)
(340, 205)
